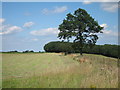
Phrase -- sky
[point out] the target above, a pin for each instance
(31, 25)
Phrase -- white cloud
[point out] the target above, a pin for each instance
(60, 9)
(55, 10)
(7, 29)
(2, 27)
(107, 32)
(110, 33)
(104, 25)
(43, 32)
(108, 36)
(90, 1)
(110, 7)
(87, 2)
(2, 20)
(107, 5)
(28, 24)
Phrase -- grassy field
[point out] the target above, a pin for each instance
(54, 70)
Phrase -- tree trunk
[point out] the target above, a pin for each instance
(81, 52)
(65, 53)
(80, 41)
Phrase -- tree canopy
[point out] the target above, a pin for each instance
(82, 27)
(58, 47)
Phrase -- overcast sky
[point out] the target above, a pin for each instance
(30, 25)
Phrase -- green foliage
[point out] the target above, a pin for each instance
(59, 47)
(82, 27)
(13, 51)
(27, 51)
(68, 47)
(107, 50)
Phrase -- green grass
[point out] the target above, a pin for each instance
(0, 70)
(54, 70)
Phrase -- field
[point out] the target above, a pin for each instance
(54, 70)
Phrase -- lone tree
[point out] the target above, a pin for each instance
(82, 27)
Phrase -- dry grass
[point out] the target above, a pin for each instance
(104, 70)
(0, 70)
(55, 70)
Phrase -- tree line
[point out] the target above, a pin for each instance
(26, 51)
(69, 47)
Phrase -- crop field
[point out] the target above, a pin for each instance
(55, 70)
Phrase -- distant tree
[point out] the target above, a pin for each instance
(82, 27)
(13, 51)
(31, 51)
(26, 51)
